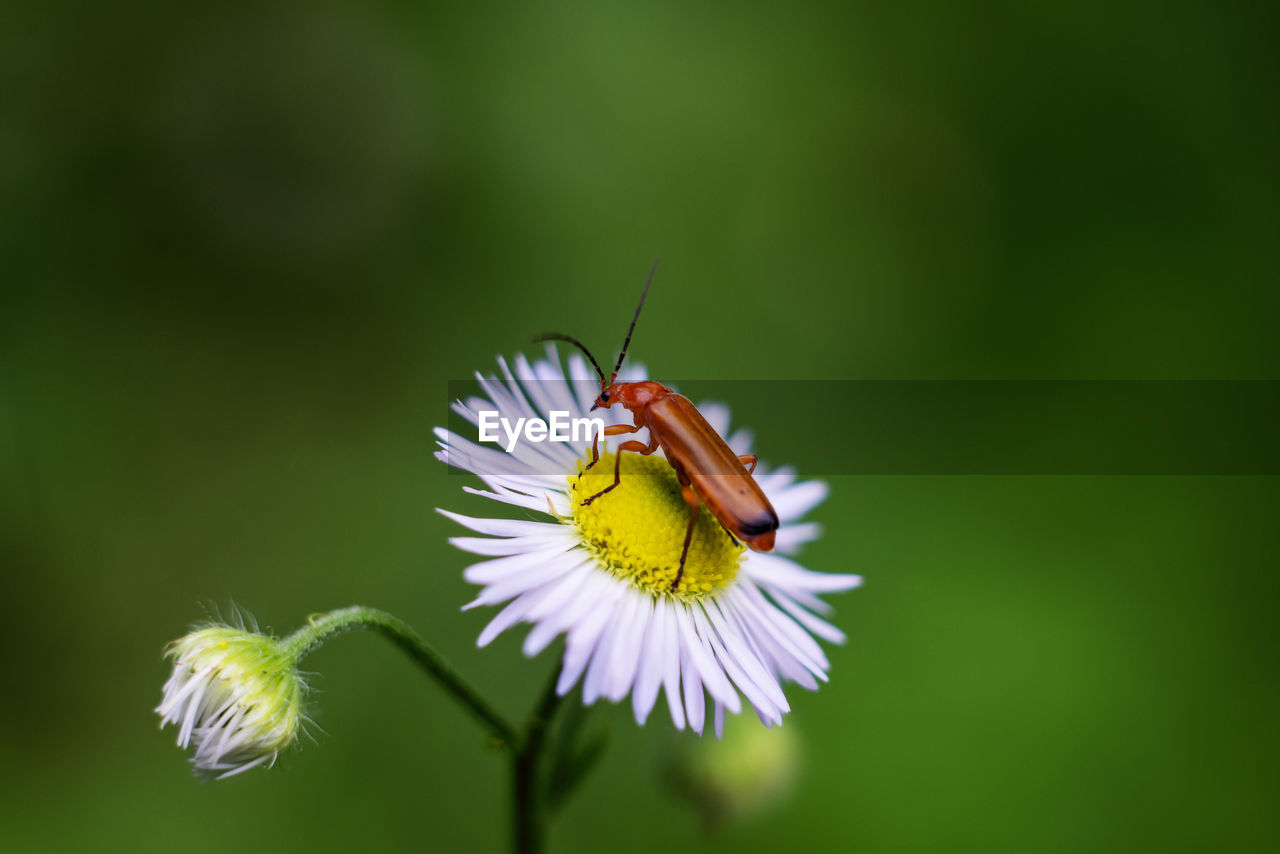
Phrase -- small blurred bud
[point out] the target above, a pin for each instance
(235, 696)
(750, 769)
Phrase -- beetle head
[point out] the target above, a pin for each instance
(633, 396)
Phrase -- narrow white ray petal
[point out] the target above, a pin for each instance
(585, 599)
(467, 410)
(691, 685)
(519, 583)
(760, 636)
(461, 452)
(795, 501)
(785, 573)
(593, 684)
(740, 440)
(730, 664)
(791, 537)
(649, 675)
(502, 567)
(510, 615)
(559, 600)
(671, 662)
(509, 545)
(543, 456)
(533, 386)
(528, 484)
(567, 587)
(501, 400)
(193, 706)
(748, 659)
(815, 625)
(791, 636)
(232, 725)
(626, 655)
(584, 636)
(557, 485)
(633, 372)
(527, 502)
(774, 481)
(583, 381)
(505, 527)
(555, 384)
(700, 656)
(719, 720)
(717, 415)
(191, 685)
(240, 769)
(809, 601)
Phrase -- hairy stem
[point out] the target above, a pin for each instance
(321, 627)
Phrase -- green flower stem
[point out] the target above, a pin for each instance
(529, 789)
(321, 627)
(528, 747)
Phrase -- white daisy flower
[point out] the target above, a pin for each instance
(235, 696)
(737, 624)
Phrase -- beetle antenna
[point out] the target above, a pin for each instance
(627, 343)
(560, 336)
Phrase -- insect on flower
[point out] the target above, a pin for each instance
(708, 470)
(737, 623)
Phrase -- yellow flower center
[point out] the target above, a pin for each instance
(636, 529)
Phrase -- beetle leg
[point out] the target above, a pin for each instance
(748, 460)
(690, 498)
(615, 430)
(632, 445)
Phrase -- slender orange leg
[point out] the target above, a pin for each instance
(632, 445)
(748, 460)
(615, 430)
(690, 498)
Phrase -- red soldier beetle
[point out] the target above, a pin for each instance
(708, 470)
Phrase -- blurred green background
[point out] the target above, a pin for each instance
(245, 248)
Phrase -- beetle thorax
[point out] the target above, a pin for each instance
(638, 395)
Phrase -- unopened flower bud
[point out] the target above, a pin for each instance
(235, 696)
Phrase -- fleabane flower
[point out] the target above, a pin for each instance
(738, 624)
(235, 696)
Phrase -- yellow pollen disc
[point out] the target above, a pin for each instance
(637, 529)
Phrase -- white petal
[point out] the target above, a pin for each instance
(717, 415)
(791, 537)
(595, 588)
(556, 601)
(757, 697)
(795, 501)
(694, 701)
(626, 654)
(516, 584)
(602, 662)
(490, 571)
(817, 625)
(701, 658)
(747, 659)
(505, 527)
(671, 662)
(509, 616)
(781, 572)
(509, 545)
(649, 675)
(791, 636)
(584, 637)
